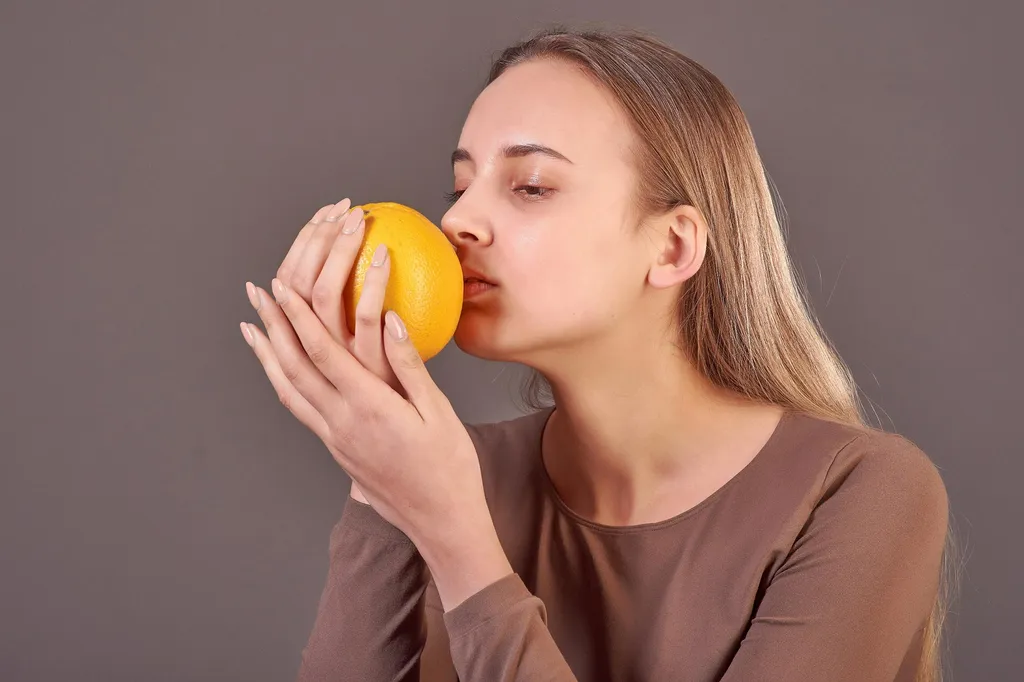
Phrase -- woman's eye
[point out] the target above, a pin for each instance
(533, 191)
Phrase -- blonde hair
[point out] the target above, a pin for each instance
(743, 318)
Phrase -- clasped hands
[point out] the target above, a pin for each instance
(369, 397)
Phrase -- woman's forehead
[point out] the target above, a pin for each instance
(548, 104)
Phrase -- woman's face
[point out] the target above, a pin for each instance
(551, 230)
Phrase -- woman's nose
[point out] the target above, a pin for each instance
(462, 229)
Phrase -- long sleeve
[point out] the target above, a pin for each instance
(849, 601)
(370, 624)
(846, 603)
(500, 634)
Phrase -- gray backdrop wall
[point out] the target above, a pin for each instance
(162, 517)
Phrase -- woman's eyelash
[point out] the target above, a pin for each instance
(541, 191)
(452, 197)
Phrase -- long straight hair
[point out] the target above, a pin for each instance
(743, 319)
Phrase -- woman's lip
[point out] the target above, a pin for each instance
(469, 273)
(475, 287)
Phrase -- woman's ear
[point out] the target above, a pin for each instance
(679, 247)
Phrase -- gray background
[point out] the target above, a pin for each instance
(162, 517)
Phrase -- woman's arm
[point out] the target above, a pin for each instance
(861, 579)
(500, 634)
(370, 623)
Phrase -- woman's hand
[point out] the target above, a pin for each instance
(323, 252)
(317, 266)
(398, 439)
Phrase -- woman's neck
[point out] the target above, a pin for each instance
(645, 437)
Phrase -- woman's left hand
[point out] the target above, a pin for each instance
(412, 458)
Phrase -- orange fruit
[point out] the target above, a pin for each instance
(426, 282)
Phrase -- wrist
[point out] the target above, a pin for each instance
(465, 563)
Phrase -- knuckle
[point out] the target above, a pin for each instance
(285, 399)
(290, 371)
(319, 353)
(321, 295)
(410, 362)
(301, 283)
(366, 317)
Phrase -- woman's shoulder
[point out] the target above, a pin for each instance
(868, 466)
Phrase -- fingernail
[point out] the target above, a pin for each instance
(247, 333)
(351, 226)
(379, 255)
(337, 211)
(254, 296)
(395, 325)
(280, 291)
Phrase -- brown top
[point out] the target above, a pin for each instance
(819, 560)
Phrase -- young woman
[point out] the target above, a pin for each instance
(703, 500)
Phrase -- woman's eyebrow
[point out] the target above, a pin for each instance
(511, 151)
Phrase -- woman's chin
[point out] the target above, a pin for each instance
(479, 340)
(476, 344)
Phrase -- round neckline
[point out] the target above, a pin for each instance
(565, 509)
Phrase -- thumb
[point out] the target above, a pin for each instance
(406, 362)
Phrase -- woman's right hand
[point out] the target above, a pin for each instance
(323, 253)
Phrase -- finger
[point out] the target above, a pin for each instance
(291, 259)
(296, 364)
(368, 344)
(307, 269)
(327, 291)
(348, 380)
(286, 393)
(408, 366)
